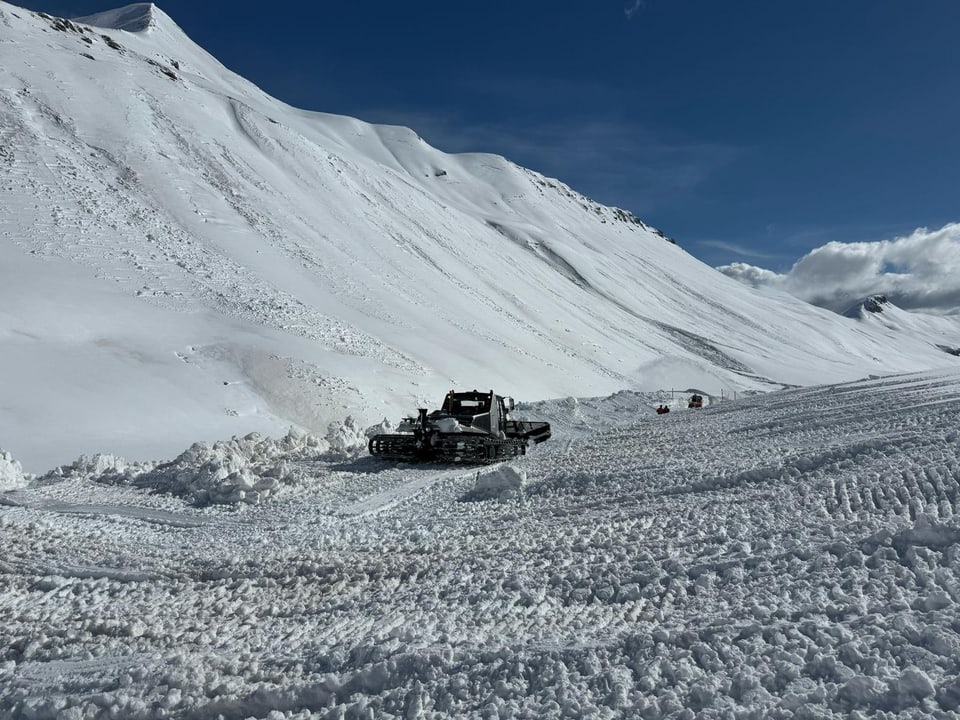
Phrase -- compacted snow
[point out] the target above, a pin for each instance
(788, 555)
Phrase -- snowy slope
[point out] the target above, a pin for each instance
(188, 258)
(882, 315)
(790, 555)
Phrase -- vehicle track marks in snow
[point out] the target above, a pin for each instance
(771, 554)
(400, 493)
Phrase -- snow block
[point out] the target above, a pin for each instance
(11, 473)
(504, 482)
(346, 438)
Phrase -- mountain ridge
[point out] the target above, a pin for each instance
(137, 17)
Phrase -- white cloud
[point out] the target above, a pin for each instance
(752, 275)
(735, 248)
(634, 9)
(920, 271)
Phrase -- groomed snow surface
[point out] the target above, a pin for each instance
(789, 555)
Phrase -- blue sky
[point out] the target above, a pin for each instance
(749, 131)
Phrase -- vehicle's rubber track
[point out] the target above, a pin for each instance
(394, 447)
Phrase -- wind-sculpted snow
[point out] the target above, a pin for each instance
(792, 555)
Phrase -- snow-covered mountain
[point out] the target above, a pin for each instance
(185, 257)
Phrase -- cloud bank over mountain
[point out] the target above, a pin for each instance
(919, 272)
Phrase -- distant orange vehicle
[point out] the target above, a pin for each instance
(696, 401)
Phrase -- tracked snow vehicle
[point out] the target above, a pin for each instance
(470, 427)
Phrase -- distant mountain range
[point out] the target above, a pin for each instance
(186, 257)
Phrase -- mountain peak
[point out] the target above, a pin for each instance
(139, 17)
(872, 304)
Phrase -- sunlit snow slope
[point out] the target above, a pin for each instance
(185, 257)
